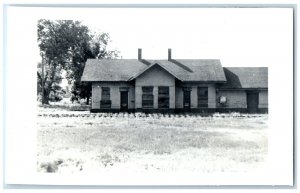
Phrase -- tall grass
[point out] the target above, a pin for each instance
(103, 141)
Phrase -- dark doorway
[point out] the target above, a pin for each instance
(202, 97)
(252, 102)
(124, 101)
(186, 99)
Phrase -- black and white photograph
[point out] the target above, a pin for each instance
(145, 115)
(150, 95)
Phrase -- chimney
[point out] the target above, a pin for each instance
(139, 54)
(169, 54)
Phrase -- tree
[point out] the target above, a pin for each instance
(54, 46)
(96, 48)
(48, 79)
(66, 45)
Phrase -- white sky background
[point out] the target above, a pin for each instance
(238, 37)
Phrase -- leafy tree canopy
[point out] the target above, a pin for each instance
(66, 45)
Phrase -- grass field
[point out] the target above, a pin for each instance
(84, 142)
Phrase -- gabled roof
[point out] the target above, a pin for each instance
(245, 78)
(127, 69)
(149, 67)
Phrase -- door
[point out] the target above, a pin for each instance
(187, 100)
(124, 101)
(252, 102)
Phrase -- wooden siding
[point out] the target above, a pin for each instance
(212, 96)
(155, 77)
(194, 95)
(172, 97)
(238, 98)
(235, 99)
(178, 98)
(96, 96)
(114, 94)
(263, 99)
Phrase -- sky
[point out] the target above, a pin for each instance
(236, 36)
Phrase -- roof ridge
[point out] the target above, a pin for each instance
(145, 62)
(181, 65)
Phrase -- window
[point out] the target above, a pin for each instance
(147, 97)
(203, 97)
(105, 93)
(163, 97)
(105, 102)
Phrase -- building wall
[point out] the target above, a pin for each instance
(156, 76)
(238, 99)
(235, 99)
(96, 96)
(178, 98)
(263, 99)
(194, 95)
(114, 94)
(212, 96)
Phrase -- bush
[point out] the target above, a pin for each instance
(55, 97)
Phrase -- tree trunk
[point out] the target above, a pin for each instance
(45, 97)
(47, 89)
(87, 100)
